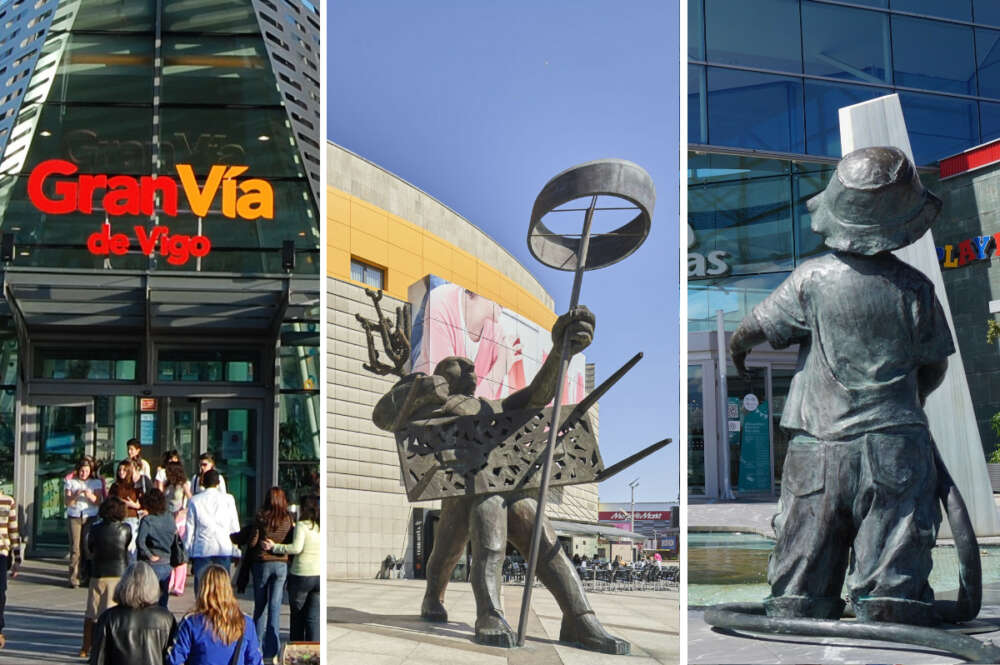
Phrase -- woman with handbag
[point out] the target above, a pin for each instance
(216, 632)
(177, 489)
(157, 534)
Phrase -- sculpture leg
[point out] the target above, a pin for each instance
(814, 528)
(450, 537)
(899, 515)
(556, 572)
(489, 545)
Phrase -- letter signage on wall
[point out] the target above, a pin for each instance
(53, 190)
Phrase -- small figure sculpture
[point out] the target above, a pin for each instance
(491, 519)
(860, 481)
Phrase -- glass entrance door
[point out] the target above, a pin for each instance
(183, 431)
(231, 433)
(65, 433)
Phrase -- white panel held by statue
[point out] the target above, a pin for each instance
(879, 122)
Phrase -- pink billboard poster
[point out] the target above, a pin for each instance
(506, 348)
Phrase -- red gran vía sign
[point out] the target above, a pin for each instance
(249, 199)
(623, 515)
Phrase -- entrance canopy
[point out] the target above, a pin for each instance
(141, 302)
(565, 528)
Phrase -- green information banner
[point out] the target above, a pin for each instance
(755, 451)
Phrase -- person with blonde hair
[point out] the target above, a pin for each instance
(137, 629)
(216, 631)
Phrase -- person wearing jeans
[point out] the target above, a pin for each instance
(211, 517)
(304, 571)
(272, 523)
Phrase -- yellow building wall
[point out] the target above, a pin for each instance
(407, 252)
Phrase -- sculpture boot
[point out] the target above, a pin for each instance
(450, 538)
(88, 638)
(587, 632)
(556, 572)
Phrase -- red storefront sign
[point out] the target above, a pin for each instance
(619, 515)
(249, 199)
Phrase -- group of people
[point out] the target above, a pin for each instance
(131, 543)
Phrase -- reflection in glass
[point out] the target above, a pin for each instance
(208, 366)
(750, 221)
(933, 55)
(697, 105)
(696, 30)
(823, 103)
(115, 16)
(988, 60)
(752, 110)
(987, 12)
(939, 126)
(989, 114)
(808, 243)
(781, 380)
(8, 400)
(95, 139)
(696, 430)
(220, 16)
(773, 43)
(716, 167)
(735, 296)
(94, 364)
(103, 68)
(956, 9)
(217, 70)
(845, 43)
(203, 137)
(298, 442)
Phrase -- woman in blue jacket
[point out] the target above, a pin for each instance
(216, 628)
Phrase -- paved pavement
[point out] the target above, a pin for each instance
(44, 616)
(377, 622)
(706, 645)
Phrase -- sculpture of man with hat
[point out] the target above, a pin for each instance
(860, 475)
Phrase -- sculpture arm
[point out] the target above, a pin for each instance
(748, 335)
(929, 377)
(577, 326)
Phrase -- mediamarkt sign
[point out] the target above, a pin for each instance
(625, 515)
(248, 199)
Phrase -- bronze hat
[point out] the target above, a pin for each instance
(875, 202)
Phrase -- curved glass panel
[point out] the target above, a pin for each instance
(715, 167)
(696, 29)
(773, 43)
(217, 70)
(840, 42)
(933, 55)
(752, 110)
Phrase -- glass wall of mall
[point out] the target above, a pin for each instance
(215, 353)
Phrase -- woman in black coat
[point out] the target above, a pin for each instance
(137, 629)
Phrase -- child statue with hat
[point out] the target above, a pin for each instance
(859, 479)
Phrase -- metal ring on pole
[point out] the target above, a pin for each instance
(604, 177)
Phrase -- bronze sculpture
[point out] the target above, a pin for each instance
(862, 478)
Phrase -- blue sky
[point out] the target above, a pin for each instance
(479, 104)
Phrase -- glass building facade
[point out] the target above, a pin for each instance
(766, 80)
(201, 351)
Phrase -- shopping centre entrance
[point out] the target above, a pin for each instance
(199, 365)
